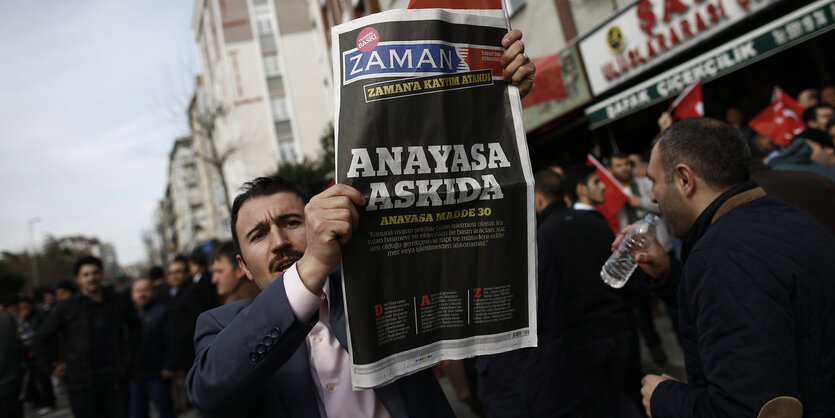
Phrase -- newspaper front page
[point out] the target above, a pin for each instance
(443, 265)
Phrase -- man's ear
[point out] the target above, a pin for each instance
(242, 266)
(685, 179)
(581, 190)
(539, 202)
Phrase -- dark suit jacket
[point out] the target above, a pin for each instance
(158, 348)
(574, 307)
(11, 356)
(252, 361)
(73, 319)
(190, 302)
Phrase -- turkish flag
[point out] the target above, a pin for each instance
(455, 4)
(689, 103)
(781, 121)
(614, 197)
(549, 83)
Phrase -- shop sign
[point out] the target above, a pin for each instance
(652, 31)
(798, 26)
(576, 92)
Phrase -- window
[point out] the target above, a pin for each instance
(271, 64)
(279, 106)
(287, 152)
(284, 131)
(276, 86)
(264, 25)
(268, 43)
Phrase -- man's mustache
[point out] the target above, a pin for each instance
(282, 255)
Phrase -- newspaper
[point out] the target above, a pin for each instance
(443, 265)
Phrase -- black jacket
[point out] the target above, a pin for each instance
(190, 301)
(11, 358)
(73, 320)
(574, 306)
(158, 347)
(756, 311)
(231, 379)
(573, 246)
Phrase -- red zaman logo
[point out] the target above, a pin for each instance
(367, 39)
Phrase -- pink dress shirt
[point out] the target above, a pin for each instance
(329, 363)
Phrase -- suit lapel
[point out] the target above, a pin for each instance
(295, 384)
(337, 309)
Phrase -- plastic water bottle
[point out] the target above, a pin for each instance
(621, 264)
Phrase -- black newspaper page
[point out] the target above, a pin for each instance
(443, 265)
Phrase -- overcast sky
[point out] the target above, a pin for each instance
(92, 96)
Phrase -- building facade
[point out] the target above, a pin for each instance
(265, 90)
(214, 187)
(188, 206)
(165, 236)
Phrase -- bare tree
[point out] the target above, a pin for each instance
(151, 248)
(204, 126)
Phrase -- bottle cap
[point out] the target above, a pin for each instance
(652, 219)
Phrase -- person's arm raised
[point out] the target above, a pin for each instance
(330, 219)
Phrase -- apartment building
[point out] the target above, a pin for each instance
(265, 90)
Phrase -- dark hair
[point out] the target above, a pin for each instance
(620, 156)
(197, 257)
(549, 184)
(67, 285)
(25, 299)
(156, 273)
(818, 136)
(577, 174)
(811, 112)
(261, 186)
(180, 259)
(226, 250)
(139, 279)
(89, 259)
(714, 150)
(41, 291)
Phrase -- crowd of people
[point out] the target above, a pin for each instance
(257, 327)
(113, 353)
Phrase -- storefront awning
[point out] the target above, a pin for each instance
(801, 25)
